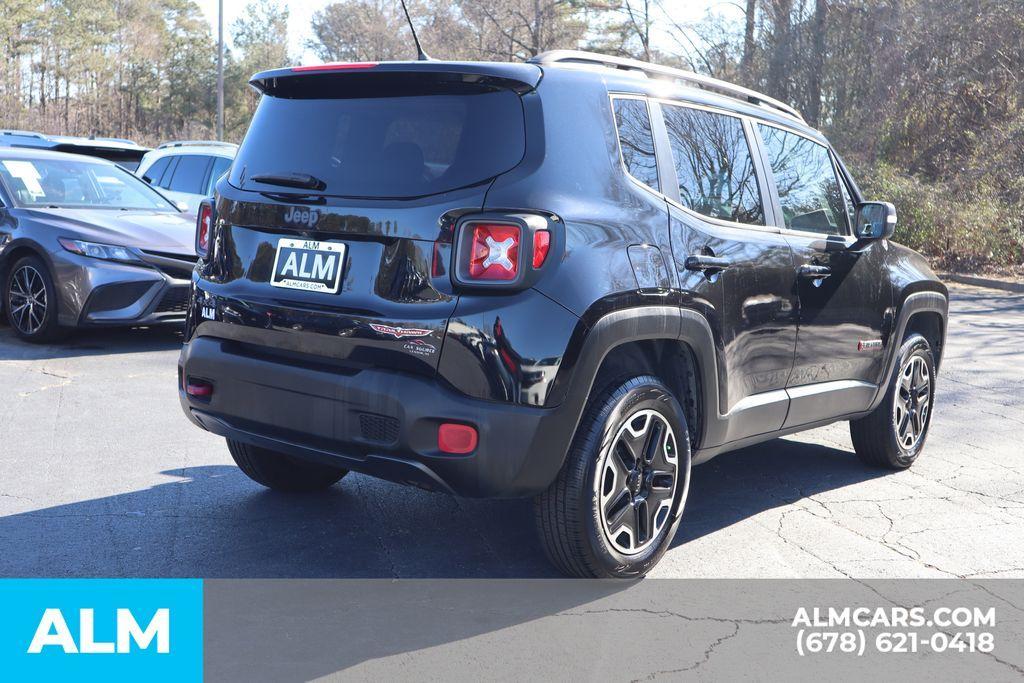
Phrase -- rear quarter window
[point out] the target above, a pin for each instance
(189, 174)
(636, 142)
(386, 146)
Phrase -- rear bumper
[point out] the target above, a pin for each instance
(375, 421)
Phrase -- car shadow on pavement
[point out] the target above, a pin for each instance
(736, 486)
(92, 342)
(212, 522)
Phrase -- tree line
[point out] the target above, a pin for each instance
(923, 98)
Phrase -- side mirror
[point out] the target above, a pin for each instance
(875, 220)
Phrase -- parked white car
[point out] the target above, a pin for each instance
(186, 171)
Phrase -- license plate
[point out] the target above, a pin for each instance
(309, 265)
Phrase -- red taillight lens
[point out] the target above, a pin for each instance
(494, 252)
(541, 244)
(457, 439)
(204, 224)
(335, 66)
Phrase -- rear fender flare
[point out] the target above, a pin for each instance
(639, 324)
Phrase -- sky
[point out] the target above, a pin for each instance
(301, 15)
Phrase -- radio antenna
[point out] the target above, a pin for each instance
(420, 54)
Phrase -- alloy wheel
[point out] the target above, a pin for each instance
(27, 299)
(636, 482)
(912, 402)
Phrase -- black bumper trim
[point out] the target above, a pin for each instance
(314, 411)
(398, 470)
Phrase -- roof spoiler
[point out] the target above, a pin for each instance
(521, 78)
(668, 73)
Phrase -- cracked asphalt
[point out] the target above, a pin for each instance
(101, 475)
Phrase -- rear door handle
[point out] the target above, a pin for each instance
(812, 272)
(706, 263)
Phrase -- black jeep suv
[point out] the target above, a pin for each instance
(570, 279)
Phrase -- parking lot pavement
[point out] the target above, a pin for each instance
(101, 475)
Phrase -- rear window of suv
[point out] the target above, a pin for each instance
(390, 145)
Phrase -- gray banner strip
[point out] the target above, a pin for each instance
(285, 630)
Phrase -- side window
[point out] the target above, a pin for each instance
(156, 171)
(809, 191)
(189, 174)
(165, 179)
(714, 166)
(636, 142)
(220, 167)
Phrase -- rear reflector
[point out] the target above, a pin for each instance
(336, 66)
(541, 244)
(457, 439)
(197, 388)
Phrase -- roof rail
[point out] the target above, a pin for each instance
(196, 143)
(23, 133)
(666, 72)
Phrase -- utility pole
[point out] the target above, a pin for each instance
(220, 69)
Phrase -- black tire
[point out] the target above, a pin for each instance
(878, 438)
(283, 472)
(570, 515)
(24, 322)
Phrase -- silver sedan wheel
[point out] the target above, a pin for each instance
(27, 300)
(912, 402)
(636, 482)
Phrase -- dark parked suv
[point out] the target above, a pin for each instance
(570, 279)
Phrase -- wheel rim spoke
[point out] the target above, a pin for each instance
(903, 425)
(624, 459)
(618, 510)
(652, 441)
(657, 498)
(642, 522)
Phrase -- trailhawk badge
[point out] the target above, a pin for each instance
(399, 332)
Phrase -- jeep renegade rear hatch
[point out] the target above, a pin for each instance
(382, 131)
(333, 231)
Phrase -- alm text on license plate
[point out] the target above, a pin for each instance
(308, 264)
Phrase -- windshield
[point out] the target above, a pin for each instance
(381, 146)
(63, 183)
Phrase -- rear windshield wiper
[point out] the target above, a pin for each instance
(302, 181)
